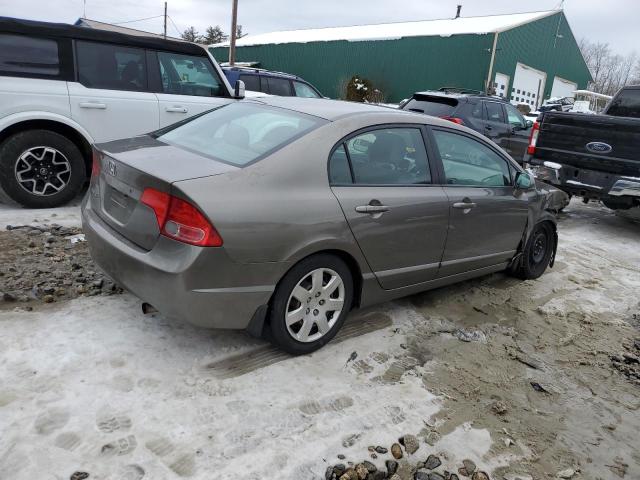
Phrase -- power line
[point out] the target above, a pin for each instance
(137, 20)
(174, 25)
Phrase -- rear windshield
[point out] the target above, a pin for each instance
(240, 133)
(435, 106)
(626, 104)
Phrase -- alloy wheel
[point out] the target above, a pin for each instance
(315, 304)
(42, 171)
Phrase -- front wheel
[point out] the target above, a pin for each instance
(537, 253)
(310, 304)
(41, 169)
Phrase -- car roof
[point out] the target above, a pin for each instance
(330, 109)
(458, 94)
(260, 71)
(65, 30)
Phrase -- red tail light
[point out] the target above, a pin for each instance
(533, 138)
(95, 163)
(457, 120)
(180, 220)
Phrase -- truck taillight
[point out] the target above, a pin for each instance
(456, 120)
(179, 220)
(533, 138)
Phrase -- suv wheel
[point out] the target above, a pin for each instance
(310, 304)
(41, 169)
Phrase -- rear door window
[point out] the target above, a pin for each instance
(240, 133)
(389, 156)
(495, 113)
(25, 56)
(435, 106)
(304, 90)
(111, 67)
(189, 75)
(251, 82)
(279, 86)
(626, 104)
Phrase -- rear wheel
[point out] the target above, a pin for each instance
(41, 169)
(537, 253)
(310, 304)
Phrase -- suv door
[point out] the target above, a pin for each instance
(488, 215)
(111, 98)
(188, 85)
(496, 127)
(520, 133)
(382, 179)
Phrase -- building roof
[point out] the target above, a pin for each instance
(390, 31)
(87, 22)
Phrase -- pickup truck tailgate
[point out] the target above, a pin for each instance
(594, 142)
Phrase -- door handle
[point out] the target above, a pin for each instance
(176, 109)
(464, 205)
(96, 105)
(372, 209)
(488, 128)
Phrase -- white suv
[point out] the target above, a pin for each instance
(63, 88)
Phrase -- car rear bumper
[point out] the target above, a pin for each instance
(202, 286)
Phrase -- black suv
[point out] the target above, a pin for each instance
(491, 116)
(273, 83)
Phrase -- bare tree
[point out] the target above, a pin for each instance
(190, 34)
(214, 35)
(610, 71)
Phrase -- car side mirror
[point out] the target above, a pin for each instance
(238, 90)
(524, 181)
(529, 123)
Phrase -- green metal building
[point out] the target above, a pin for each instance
(526, 57)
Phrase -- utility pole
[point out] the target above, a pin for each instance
(234, 32)
(165, 20)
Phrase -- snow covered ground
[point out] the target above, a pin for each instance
(93, 385)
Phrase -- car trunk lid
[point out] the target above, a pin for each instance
(127, 168)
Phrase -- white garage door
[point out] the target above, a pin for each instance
(528, 85)
(563, 88)
(502, 85)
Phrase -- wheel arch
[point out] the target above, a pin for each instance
(260, 318)
(55, 123)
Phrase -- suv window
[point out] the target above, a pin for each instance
(626, 104)
(112, 67)
(279, 86)
(515, 117)
(435, 106)
(494, 112)
(189, 75)
(390, 156)
(251, 82)
(304, 90)
(467, 161)
(20, 54)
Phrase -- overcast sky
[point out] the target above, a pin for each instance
(613, 21)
